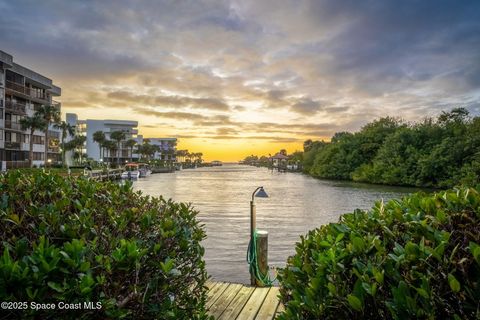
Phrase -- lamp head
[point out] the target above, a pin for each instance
(261, 193)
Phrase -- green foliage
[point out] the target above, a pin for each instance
(347, 152)
(75, 240)
(414, 258)
(440, 153)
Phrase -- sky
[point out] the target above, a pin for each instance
(234, 78)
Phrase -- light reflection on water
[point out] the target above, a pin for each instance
(297, 203)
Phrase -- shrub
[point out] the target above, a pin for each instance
(414, 258)
(75, 240)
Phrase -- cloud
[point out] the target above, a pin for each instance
(172, 101)
(172, 114)
(253, 68)
(306, 106)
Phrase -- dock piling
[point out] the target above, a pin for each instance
(262, 254)
(253, 226)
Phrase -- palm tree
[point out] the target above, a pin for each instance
(190, 156)
(112, 148)
(67, 130)
(33, 123)
(118, 136)
(50, 115)
(104, 145)
(130, 143)
(199, 157)
(145, 148)
(181, 154)
(77, 144)
(99, 137)
(148, 150)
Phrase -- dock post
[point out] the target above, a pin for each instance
(253, 226)
(263, 243)
(262, 253)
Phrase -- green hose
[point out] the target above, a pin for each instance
(252, 260)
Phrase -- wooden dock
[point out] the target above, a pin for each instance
(100, 175)
(242, 302)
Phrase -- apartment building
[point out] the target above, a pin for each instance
(92, 149)
(167, 148)
(22, 92)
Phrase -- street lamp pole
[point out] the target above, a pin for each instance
(253, 219)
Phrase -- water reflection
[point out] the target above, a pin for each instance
(296, 204)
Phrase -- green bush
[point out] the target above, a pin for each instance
(414, 258)
(72, 240)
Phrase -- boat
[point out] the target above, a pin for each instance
(144, 170)
(131, 171)
(217, 163)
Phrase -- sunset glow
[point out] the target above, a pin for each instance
(234, 78)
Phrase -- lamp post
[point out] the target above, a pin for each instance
(259, 193)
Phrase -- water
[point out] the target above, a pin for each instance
(297, 203)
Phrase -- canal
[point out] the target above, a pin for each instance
(297, 203)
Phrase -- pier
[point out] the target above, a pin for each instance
(101, 175)
(237, 301)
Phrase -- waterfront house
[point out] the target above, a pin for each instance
(279, 160)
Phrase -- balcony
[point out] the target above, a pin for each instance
(13, 125)
(15, 107)
(16, 87)
(12, 145)
(17, 164)
(26, 91)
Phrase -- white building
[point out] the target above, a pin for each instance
(167, 148)
(89, 127)
(22, 92)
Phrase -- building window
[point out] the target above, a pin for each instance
(38, 139)
(38, 156)
(15, 118)
(14, 77)
(12, 136)
(1, 134)
(53, 134)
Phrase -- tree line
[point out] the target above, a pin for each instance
(436, 152)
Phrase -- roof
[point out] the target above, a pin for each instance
(279, 156)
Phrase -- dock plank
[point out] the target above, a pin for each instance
(242, 302)
(209, 284)
(224, 300)
(250, 310)
(269, 305)
(215, 293)
(236, 306)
